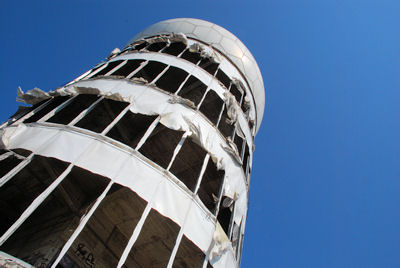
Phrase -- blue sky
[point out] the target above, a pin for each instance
(325, 187)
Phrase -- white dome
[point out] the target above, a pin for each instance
(225, 42)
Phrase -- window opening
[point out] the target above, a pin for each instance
(188, 255)
(155, 242)
(102, 115)
(24, 110)
(106, 234)
(236, 93)
(127, 68)
(225, 213)
(191, 56)
(188, 163)
(55, 218)
(224, 124)
(171, 79)
(193, 89)
(140, 46)
(235, 239)
(22, 152)
(130, 129)
(174, 48)
(245, 159)
(19, 192)
(8, 163)
(155, 47)
(223, 78)
(239, 144)
(150, 71)
(210, 186)
(209, 66)
(73, 109)
(53, 103)
(160, 145)
(111, 65)
(211, 106)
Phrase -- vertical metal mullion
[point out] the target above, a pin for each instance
(85, 112)
(98, 70)
(16, 169)
(81, 225)
(221, 190)
(78, 78)
(182, 84)
(231, 221)
(36, 202)
(203, 169)
(177, 149)
(183, 51)
(116, 68)
(159, 75)
(116, 120)
(34, 111)
(54, 111)
(147, 133)
(135, 235)
(138, 69)
(220, 114)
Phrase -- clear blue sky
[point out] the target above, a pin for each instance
(325, 189)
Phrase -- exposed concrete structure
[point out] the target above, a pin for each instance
(143, 161)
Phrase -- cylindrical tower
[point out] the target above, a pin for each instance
(143, 161)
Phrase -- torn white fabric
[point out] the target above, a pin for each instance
(178, 37)
(32, 96)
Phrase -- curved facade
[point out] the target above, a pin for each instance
(143, 161)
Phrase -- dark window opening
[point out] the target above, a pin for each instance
(225, 214)
(171, 79)
(96, 68)
(224, 124)
(130, 128)
(127, 68)
(175, 48)
(235, 92)
(22, 152)
(106, 234)
(210, 185)
(193, 57)
(188, 255)
(19, 192)
(8, 163)
(111, 65)
(188, 162)
(73, 109)
(209, 66)
(102, 115)
(155, 47)
(235, 238)
(140, 46)
(151, 70)
(45, 231)
(223, 78)
(160, 145)
(245, 158)
(193, 90)
(155, 243)
(211, 106)
(23, 110)
(56, 101)
(239, 143)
